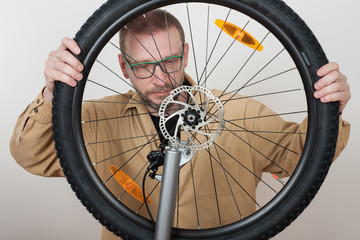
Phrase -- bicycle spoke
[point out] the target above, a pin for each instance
(120, 139)
(171, 52)
(277, 144)
(113, 118)
(222, 57)
(267, 116)
(134, 179)
(265, 79)
(267, 64)
(262, 94)
(207, 41)
(157, 106)
(255, 131)
(228, 183)
(149, 195)
(122, 153)
(178, 202)
(119, 93)
(172, 79)
(141, 147)
(233, 178)
(173, 82)
(262, 154)
(214, 183)
(192, 42)
(214, 47)
(213, 180)
(194, 191)
(243, 66)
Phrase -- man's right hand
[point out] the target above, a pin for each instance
(62, 66)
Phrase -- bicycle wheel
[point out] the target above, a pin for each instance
(249, 178)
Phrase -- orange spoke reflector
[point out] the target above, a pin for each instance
(128, 184)
(239, 34)
(277, 178)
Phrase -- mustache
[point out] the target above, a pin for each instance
(159, 89)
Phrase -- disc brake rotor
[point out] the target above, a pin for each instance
(200, 117)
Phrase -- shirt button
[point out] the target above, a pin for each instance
(36, 110)
(38, 101)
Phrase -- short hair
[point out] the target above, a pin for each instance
(154, 20)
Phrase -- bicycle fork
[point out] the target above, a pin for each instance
(174, 159)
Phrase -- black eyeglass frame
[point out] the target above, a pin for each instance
(155, 64)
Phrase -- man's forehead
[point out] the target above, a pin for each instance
(147, 44)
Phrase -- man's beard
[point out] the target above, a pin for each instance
(170, 86)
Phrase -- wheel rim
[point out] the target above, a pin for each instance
(281, 194)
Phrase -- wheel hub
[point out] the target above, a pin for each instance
(200, 119)
(191, 117)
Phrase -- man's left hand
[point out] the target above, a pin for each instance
(332, 86)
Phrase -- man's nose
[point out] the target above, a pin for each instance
(161, 78)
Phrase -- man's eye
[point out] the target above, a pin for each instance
(170, 62)
(142, 66)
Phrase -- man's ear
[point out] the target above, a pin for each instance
(186, 54)
(123, 65)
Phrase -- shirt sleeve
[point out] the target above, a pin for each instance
(281, 152)
(32, 144)
(343, 136)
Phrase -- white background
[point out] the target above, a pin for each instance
(37, 208)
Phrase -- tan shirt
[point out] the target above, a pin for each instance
(33, 148)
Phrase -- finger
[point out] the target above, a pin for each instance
(336, 92)
(332, 84)
(54, 75)
(66, 57)
(341, 97)
(70, 44)
(64, 68)
(327, 90)
(328, 79)
(328, 68)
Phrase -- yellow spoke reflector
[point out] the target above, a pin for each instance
(239, 34)
(128, 184)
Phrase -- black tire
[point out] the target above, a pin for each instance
(278, 213)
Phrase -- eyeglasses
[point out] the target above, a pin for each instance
(167, 65)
